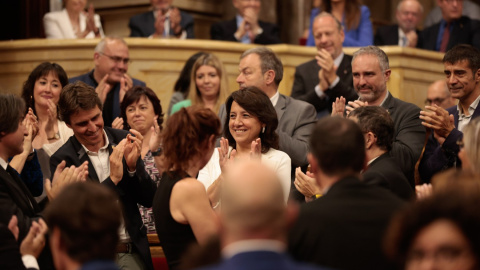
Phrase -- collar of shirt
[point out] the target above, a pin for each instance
(252, 245)
(372, 160)
(471, 109)
(274, 99)
(402, 38)
(101, 148)
(3, 163)
(383, 101)
(338, 60)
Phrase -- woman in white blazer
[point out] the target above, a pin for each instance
(73, 22)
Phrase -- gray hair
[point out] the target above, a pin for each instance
(374, 50)
(268, 61)
(101, 45)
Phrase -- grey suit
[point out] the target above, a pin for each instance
(409, 134)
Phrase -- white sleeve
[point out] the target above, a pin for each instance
(52, 29)
(208, 174)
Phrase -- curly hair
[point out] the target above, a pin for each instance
(186, 134)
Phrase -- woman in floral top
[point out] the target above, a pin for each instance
(141, 110)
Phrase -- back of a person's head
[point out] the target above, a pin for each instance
(252, 200)
(377, 120)
(457, 205)
(338, 146)
(88, 217)
(257, 104)
(12, 110)
(75, 97)
(186, 135)
(463, 52)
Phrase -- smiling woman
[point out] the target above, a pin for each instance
(210, 88)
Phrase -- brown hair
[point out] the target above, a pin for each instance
(12, 110)
(256, 103)
(352, 12)
(186, 134)
(75, 97)
(134, 95)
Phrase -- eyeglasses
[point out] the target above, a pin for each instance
(117, 59)
(451, 1)
(434, 101)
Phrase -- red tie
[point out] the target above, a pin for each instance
(445, 38)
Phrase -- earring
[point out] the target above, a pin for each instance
(263, 130)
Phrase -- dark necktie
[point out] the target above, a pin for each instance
(445, 38)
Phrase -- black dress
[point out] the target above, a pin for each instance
(174, 237)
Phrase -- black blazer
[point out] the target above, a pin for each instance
(409, 134)
(131, 190)
(438, 157)
(344, 228)
(306, 78)
(143, 25)
(465, 31)
(224, 31)
(385, 172)
(388, 35)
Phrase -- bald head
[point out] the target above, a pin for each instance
(438, 93)
(409, 13)
(252, 200)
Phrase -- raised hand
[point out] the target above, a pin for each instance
(438, 119)
(156, 137)
(34, 242)
(225, 160)
(133, 149)
(306, 184)
(338, 107)
(352, 105)
(103, 88)
(64, 177)
(175, 19)
(52, 119)
(256, 149)
(117, 123)
(116, 162)
(159, 24)
(325, 61)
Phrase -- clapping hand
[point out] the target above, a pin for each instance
(133, 149)
(352, 105)
(65, 176)
(225, 160)
(34, 242)
(338, 107)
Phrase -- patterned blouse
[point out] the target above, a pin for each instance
(147, 214)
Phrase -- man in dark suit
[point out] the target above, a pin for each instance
(260, 67)
(254, 220)
(88, 237)
(343, 228)
(109, 77)
(114, 160)
(382, 170)
(462, 68)
(453, 29)
(405, 33)
(163, 21)
(371, 72)
(328, 76)
(246, 27)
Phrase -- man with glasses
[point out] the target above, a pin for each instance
(453, 29)
(462, 70)
(246, 27)
(109, 77)
(439, 95)
(405, 33)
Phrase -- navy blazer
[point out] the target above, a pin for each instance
(388, 35)
(225, 30)
(143, 25)
(465, 31)
(306, 78)
(344, 228)
(111, 107)
(131, 190)
(260, 260)
(438, 157)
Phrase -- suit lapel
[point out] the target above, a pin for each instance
(280, 107)
(344, 66)
(19, 191)
(389, 104)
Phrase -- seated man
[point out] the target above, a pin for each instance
(462, 69)
(453, 29)
(246, 27)
(114, 160)
(342, 229)
(254, 220)
(382, 170)
(405, 33)
(164, 21)
(88, 237)
(328, 76)
(109, 77)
